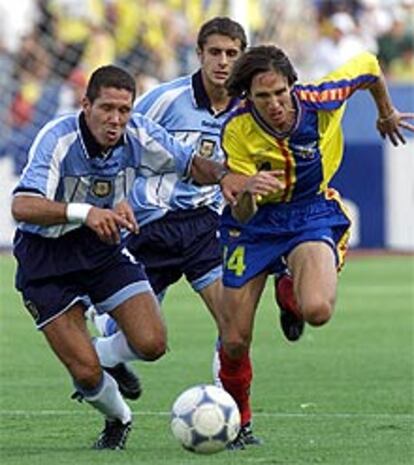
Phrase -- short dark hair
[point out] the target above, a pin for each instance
(258, 60)
(109, 76)
(224, 26)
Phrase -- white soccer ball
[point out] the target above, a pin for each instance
(204, 419)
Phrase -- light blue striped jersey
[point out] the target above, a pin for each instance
(63, 165)
(184, 109)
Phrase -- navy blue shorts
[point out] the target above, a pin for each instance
(180, 243)
(54, 274)
(266, 240)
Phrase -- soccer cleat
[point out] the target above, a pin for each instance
(114, 435)
(244, 438)
(128, 382)
(236, 444)
(291, 320)
(248, 437)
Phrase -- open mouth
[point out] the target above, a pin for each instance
(112, 134)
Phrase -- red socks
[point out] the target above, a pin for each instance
(236, 377)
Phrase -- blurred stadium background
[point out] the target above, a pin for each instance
(48, 48)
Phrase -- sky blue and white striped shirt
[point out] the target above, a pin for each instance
(62, 168)
(184, 109)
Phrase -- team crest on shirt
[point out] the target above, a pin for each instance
(101, 187)
(307, 151)
(234, 233)
(206, 148)
(32, 309)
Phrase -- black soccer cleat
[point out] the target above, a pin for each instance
(113, 436)
(128, 382)
(244, 438)
(291, 321)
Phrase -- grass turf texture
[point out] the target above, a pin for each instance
(342, 395)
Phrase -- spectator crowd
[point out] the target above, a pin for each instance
(48, 48)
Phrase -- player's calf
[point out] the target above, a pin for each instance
(291, 320)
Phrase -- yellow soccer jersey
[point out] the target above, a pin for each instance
(311, 152)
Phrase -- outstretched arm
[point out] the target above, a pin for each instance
(206, 172)
(390, 120)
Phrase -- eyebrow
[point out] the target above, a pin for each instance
(267, 92)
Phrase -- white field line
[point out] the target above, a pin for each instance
(29, 413)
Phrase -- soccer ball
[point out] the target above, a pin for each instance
(204, 419)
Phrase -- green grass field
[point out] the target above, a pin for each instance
(342, 395)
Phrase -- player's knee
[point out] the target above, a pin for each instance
(153, 348)
(86, 375)
(318, 312)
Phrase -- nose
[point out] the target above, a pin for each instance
(223, 60)
(274, 102)
(115, 117)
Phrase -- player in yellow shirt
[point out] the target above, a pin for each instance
(288, 137)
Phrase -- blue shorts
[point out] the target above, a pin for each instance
(54, 274)
(264, 243)
(180, 243)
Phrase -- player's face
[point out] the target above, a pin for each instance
(270, 94)
(108, 115)
(217, 59)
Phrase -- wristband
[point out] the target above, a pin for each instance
(77, 212)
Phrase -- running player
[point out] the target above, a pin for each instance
(70, 204)
(301, 221)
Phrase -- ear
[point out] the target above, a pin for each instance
(199, 53)
(85, 103)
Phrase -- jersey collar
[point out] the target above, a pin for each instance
(201, 98)
(92, 148)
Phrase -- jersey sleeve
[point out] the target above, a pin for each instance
(155, 104)
(145, 102)
(330, 92)
(161, 153)
(42, 172)
(237, 155)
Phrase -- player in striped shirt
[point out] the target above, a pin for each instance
(70, 204)
(179, 221)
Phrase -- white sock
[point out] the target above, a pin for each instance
(100, 322)
(114, 349)
(216, 366)
(109, 400)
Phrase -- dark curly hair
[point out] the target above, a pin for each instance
(258, 60)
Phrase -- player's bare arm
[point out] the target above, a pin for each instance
(390, 120)
(232, 184)
(39, 210)
(208, 172)
(205, 171)
(262, 183)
